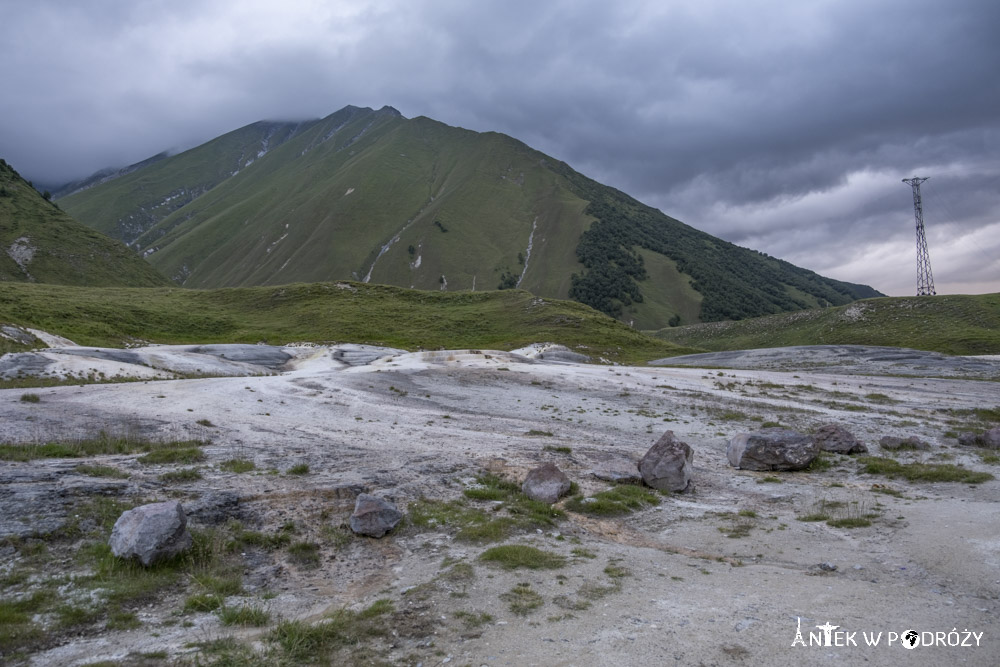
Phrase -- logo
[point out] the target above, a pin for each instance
(829, 635)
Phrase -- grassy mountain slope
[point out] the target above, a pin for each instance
(372, 196)
(957, 324)
(341, 312)
(41, 243)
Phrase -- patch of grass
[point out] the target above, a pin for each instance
(522, 599)
(123, 620)
(302, 643)
(887, 490)
(237, 466)
(299, 469)
(580, 552)
(921, 472)
(558, 449)
(820, 463)
(515, 556)
(241, 536)
(202, 602)
(616, 501)
(769, 479)
(305, 554)
(100, 471)
(473, 619)
(989, 456)
(849, 522)
(205, 422)
(881, 398)
(163, 455)
(183, 475)
(30, 398)
(104, 442)
(534, 432)
(245, 615)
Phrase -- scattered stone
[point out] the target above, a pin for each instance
(667, 464)
(892, 443)
(214, 508)
(772, 449)
(618, 472)
(827, 567)
(969, 439)
(546, 483)
(151, 533)
(837, 439)
(374, 516)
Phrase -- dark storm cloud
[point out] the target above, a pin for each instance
(782, 126)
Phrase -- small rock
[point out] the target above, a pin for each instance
(834, 438)
(667, 464)
(374, 516)
(772, 449)
(546, 483)
(991, 439)
(151, 533)
(618, 472)
(969, 439)
(892, 443)
(827, 567)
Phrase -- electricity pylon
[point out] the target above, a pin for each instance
(925, 279)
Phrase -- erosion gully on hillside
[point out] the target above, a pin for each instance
(285, 438)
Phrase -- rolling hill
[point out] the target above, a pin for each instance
(953, 324)
(325, 312)
(372, 196)
(41, 243)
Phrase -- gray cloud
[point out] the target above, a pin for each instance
(781, 126)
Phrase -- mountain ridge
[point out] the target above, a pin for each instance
(373, 196)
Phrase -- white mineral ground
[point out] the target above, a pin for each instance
(411, 425)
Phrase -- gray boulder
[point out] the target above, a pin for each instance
(892, 443)
(151, 533)
(546, 483)
(374, 516)
(834, 438)
(969, 439)
(991, 439)
(667, 464)
(772, 449)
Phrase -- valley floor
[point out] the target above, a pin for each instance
(724, 574)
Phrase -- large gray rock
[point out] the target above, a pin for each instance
(667, 464)
(374, 516)
(834, 438)
(989, 439)
(546, 483)
(151, 533)
(772, 449)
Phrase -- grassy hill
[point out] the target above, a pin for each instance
(372, 196)
(41, 243)
(957, 324)
(330, 312)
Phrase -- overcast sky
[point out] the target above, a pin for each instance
(782, 126)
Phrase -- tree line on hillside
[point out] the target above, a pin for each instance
(735, 283)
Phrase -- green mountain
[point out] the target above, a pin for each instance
(372, 196)
(41, 243)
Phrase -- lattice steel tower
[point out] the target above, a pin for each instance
(925, 279)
